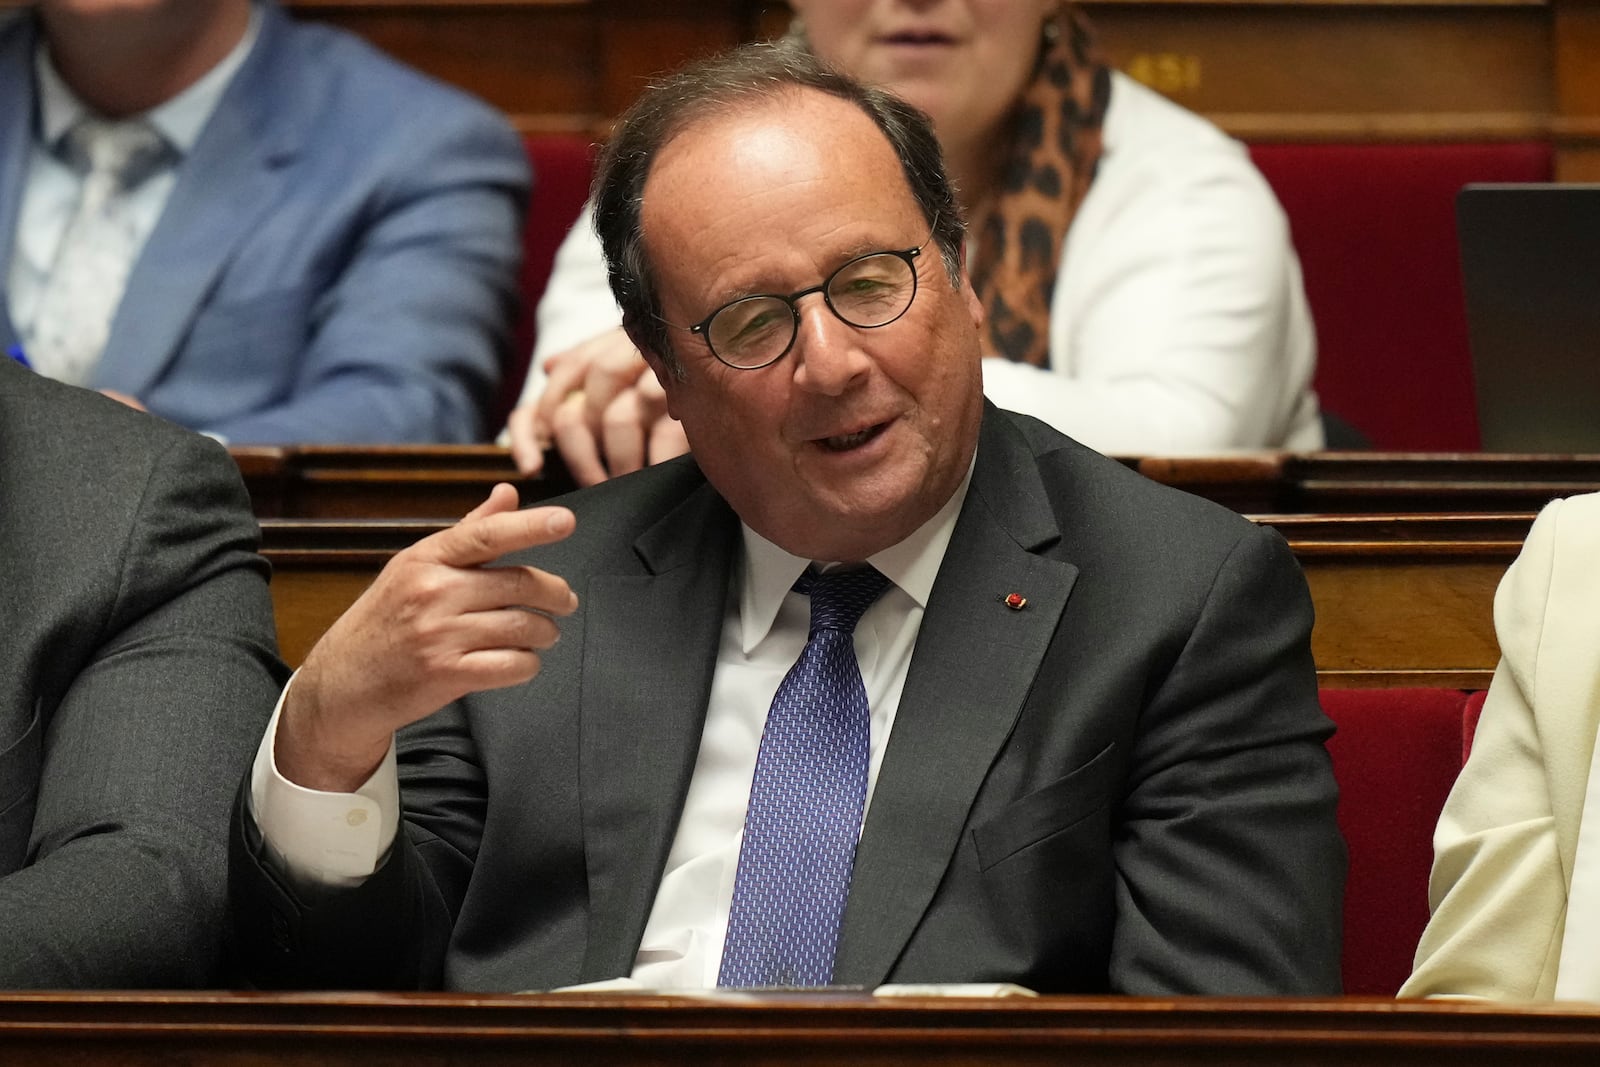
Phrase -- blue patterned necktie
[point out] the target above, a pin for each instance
(806, 800)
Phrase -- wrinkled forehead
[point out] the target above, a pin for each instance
(782, 168)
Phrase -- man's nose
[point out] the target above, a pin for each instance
(829, 349)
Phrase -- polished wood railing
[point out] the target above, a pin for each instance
(325, 1030)
(383, 482)
(1402, 552)
(1378, 482)
(446, 481)
(1400, 599)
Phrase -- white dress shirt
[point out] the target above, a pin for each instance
(1178, 323)
(52, 187)
(333, 839)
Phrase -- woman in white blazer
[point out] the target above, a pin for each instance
(1153, 300)
(1515, 889)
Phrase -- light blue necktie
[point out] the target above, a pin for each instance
(806, 800)
(97, 249)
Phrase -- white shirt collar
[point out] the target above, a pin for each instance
(179, 120)
(767, 572)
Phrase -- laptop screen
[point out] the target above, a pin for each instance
(1530, 264)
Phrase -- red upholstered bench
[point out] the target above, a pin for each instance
(1375, 228)
(1396, 754)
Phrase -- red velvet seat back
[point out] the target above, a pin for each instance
(1396, 754)
(1376, 232)
(562, 164)
(1469, 722)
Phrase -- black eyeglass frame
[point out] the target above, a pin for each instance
(908, 256)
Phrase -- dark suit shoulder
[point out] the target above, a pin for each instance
(614, 516)
(1086, 487)
(56, 437)
(91, 487)
(15, 26)
(642, 496)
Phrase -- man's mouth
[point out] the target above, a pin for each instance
(916, 37)
(844, 442)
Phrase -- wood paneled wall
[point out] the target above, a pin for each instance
(1396, 70)
(1284, 70)
(551, 65)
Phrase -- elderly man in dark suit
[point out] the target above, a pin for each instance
(137, 664)
(1049, 723)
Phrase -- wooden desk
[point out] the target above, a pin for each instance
(1287, 483)
(1405, 599)
(1377, 482)
(322, 1030)
(1400, 599)
(446, 481)
(383, 481)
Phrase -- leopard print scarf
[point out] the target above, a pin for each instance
(1055, 148)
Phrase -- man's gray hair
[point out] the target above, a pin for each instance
(719, 86)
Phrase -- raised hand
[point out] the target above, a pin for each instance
(438, 623)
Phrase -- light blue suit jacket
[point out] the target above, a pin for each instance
(338, 259)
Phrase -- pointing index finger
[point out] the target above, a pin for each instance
(477, 540)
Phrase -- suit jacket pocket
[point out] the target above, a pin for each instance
(19, 787)
(1046, 811)
(250, 348)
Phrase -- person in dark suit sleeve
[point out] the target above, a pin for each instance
(336, 260)
(1106, 768)
(137, 664)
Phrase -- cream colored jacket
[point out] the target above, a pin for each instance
(1515, 889)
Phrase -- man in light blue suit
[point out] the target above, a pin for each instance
(324, 248)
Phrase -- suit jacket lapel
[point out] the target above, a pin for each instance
(229, 180)
(16, 145)
(650, 648)
(954, 718)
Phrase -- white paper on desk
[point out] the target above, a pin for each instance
(956, 989)
(605, 985)
(633, 985)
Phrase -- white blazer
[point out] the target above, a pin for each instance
(1515, 889)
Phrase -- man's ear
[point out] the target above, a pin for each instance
(975, 306)
(658, 366)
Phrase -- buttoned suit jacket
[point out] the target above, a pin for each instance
(337, 261)
(137, 663)
(1122, 786)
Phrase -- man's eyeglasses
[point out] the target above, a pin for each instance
(866, 292)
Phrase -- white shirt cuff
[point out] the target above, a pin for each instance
(317, 839)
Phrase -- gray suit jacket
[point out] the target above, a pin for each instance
(137, 669)
(1121, 787)
(337, 262)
